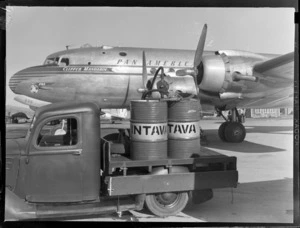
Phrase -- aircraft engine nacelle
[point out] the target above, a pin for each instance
(223, 71)
(211, 73)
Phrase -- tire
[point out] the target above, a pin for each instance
(166, 204)
(235, 132)
(221, 131)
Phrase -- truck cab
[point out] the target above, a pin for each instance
(64, 168)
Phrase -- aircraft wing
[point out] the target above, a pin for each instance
(274, 87)
(279, 68)
(277, 75)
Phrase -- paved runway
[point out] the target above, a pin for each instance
(265, 190)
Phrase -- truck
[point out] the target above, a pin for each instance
(73, 171)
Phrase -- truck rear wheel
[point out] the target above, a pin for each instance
(167, 204)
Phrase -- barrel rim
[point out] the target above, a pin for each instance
(184, 121)
(138, 121)
(150, 101)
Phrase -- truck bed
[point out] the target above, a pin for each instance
(207, 160)
(124, 176)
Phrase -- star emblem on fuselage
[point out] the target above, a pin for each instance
(34, 88)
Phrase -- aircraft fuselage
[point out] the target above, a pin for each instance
(111, 76)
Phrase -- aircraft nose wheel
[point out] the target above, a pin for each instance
(166, 204)
(232, 132)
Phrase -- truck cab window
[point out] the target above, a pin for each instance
(58, 132)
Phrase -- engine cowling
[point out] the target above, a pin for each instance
(211, 73)
(223, 71)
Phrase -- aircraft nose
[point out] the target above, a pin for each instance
(19, 77)
(14, 81)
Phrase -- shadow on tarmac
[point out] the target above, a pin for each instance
(256, 202)
(270, 129)
(265, 129)
(105, 217)
(244, 147)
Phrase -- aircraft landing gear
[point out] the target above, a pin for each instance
(232, 130)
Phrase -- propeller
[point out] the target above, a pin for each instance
(144, 75)
(197, 59)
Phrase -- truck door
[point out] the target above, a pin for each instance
(54, 162)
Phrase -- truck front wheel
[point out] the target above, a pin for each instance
(166, 204)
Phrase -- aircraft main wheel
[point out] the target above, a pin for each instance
(166, 204)
(221, 131)
(235, 132)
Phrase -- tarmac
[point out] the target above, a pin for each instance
(265, 190)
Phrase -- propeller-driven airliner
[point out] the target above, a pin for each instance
(113, 76)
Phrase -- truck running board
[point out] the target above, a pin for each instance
(28, 211)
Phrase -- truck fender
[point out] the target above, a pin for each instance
(16, 208)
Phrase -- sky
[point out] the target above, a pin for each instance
(35, 32)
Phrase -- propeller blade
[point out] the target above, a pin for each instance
(200, 47)
(198, 57)
(145, 77)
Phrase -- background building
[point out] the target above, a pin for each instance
(270, 112)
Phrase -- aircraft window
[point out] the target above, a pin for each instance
(58, 132)
(122, 53)
(51, 61)
(64, 62)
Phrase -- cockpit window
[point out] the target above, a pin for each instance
(61, 61)
(51, 61)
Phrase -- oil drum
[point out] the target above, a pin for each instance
(148, 130)
(183, 128)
